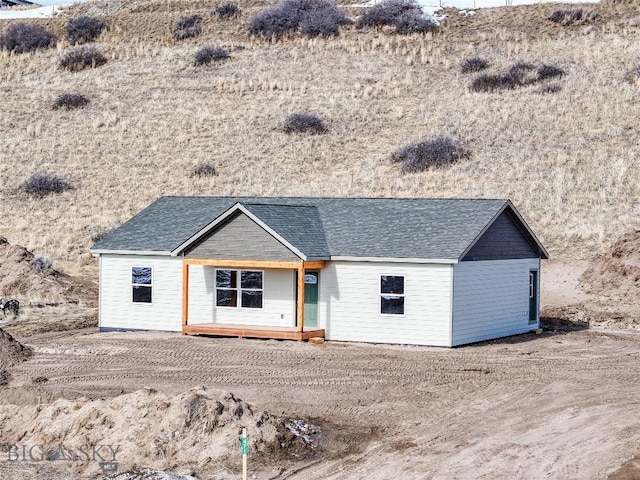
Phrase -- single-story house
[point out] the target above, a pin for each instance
(440, 272)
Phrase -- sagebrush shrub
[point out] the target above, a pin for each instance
(83, 57)
(304, 123)
(574, 16)
(522, 73)
(69, 101)
(206, 55)
(187, 27)
(475, 64)
(490, 83)
(406, 16)
(413, 21)
(438, 152)
(41, 263)
(633, 75)
(549, 88)
(204, 170)
(385, 12)
(310, 17)
(227, 10)
(324, 21)
(41, 184)
(84, 29)
(24, 37)
(549, 71)
(519, 75)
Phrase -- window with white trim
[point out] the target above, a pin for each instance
(392, 294)
(141, 284)
(239, 288)
(532, 284)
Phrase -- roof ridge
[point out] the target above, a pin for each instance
(277, 205)
(238, 197)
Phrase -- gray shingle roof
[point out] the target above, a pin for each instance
(301, 226)
(321, 227)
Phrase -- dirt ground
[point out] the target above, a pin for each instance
(554, 405)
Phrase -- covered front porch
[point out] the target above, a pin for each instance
(254, 325)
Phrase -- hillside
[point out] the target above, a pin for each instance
(567, 159)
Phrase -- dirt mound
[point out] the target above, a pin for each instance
(150, 474)
(616, 274)
(11, 352)
(24, 274)
(198, 429)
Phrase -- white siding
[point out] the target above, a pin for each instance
(116, 308)
(278, 300)
(491, 299)
(349, 304)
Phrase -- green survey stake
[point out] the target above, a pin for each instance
(245, 446)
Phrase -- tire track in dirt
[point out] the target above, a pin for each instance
(436, 402)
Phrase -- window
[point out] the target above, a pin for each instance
(532, 285)
(141, 285)
(241, 288)
(392, 294)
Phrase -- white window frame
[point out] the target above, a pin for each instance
(397, 295)
(534, 287)
(133, 285)
(239, 288)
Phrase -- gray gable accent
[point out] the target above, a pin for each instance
(411, 228)
(240, 238)
(503, 240)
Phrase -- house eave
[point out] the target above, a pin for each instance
(99, 251)
(347, 258)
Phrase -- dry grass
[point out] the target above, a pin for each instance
(567, 160)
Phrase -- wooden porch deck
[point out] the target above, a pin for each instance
(252, 331)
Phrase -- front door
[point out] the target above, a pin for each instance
(533, 297)
(311, 299)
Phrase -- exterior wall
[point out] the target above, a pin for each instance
(278, 300)
(491, 299)
(240, 238)
(349, 303)
(503, 240)
(117, 311)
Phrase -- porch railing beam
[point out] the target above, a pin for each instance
(185, 295)
(222, 263)
(300, 299)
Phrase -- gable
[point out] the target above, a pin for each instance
(240, 238)
(503, 240)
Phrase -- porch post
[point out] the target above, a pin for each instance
(185, 294)
(300, 299)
